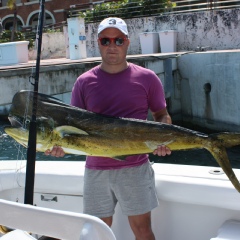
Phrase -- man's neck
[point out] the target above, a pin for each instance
(114, 68)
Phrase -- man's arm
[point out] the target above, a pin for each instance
(164, 117)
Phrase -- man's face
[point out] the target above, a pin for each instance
(113, 54)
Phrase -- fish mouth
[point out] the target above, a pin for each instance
(17, 131)
(16, 123)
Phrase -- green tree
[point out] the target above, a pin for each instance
(125, 9)
(13, 6)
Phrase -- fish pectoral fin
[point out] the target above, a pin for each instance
(153, 144)
(63, 131)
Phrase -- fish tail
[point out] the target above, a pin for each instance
(220, 154)
(228, 139)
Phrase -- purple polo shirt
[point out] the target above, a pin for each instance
(127, 94)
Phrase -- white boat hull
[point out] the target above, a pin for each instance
(193, 203)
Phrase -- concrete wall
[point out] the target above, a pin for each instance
(53, 80)
(216, 30)
(53, 46)
(58, 80)
(210, 85)
(202, 88)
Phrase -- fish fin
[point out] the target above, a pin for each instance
(151, 145)
(69, 130)
(220, 155)
(154, 144)
(228, 139)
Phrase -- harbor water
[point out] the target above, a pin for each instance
(11, 150)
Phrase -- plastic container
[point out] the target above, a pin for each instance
(14, 52)
(168, 41)
(149, 42)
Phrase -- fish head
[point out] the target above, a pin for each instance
(19, 134)
(19, 129)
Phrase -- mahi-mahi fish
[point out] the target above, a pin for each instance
(82, 132)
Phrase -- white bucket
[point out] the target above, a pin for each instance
(168, 41)
(149, 42)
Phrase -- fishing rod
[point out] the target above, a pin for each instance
(32, 139)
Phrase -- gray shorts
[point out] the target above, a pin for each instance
(133, 188)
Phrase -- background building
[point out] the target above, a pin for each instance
(27, 12)
(57, 12)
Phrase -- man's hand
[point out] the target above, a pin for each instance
(163, 117)
(162, 150)
(56, 151)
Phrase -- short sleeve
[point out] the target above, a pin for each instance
(156, 96)
(77, 99)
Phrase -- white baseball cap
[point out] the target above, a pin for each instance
(113, 22)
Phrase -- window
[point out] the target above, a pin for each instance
(8, 24)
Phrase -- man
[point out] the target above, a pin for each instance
(121, 89)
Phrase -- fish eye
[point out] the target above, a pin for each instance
(27, 121)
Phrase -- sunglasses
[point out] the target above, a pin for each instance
(108, 41)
